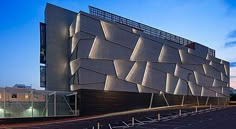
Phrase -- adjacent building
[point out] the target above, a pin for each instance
(117, 64)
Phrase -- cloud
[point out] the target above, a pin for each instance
(233, 64)
(230, 44)
(232, 34)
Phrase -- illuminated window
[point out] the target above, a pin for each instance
(26, 96)
(14, 96)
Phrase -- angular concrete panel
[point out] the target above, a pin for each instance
(84, 35)
(122, 68)
(195, 89)
(88, 76)
(136, 73)
(154, 79)
(102, 49)
(90, 25)
(115, 84)
(218, 66)
(214, 59)
(224, 78)
(146, 50)
(181, 88)
(75, 40)
(169, 55)
(207, 92)
(76, 79)
(84, 47)
(216, 89)
(100, 66)
(73, 56)
(211, 71)
(227, 70)
(74, 66)
(194, 67)
(218, 83)
(171, 82)
(187, 58)
(164, 67)
(203, 80)
(144, 89)
(202, 54)
(226, 91)
(185, 74)
(119, 36)
(96, 86)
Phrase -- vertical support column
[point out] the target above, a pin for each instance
(32, 103)
(132, 121)
(47, 97)
(55, 103)
(98, 125)
(164, 98)
(182, 104)
(76, 110)
(158, 116)
(180, 112)
(150, 105)
(207, 100)
(198, 101)
(4, 103)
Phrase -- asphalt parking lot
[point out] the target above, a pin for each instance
(204, 118)
(217, 119)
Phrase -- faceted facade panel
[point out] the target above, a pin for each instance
(103, 49)
(146, 50)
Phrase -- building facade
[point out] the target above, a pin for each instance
(117, 64)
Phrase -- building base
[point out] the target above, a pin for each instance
(94, 102)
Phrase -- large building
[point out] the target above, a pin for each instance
(117, 64)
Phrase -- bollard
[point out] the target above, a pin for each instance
(196, 109)
(98, 125)
(180, 112)
(210, 106)
(132, 121)
(158, 117)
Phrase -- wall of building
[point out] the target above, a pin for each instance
(113, 57)
(57, 22)
(113, 65)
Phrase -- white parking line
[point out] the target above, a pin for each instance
(139, 121)
(109, 126)
(125, 124)
(150, 118)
